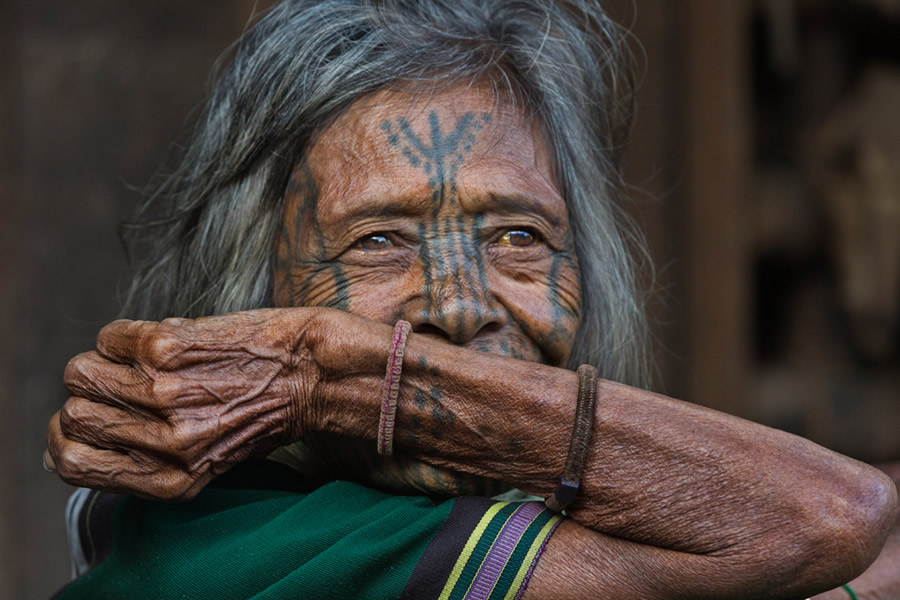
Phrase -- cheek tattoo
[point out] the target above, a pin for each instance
(564, 318)
(303, 186)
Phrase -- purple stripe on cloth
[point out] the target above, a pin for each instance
(500, 552)
(534, 562)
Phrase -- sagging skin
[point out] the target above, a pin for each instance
(443, 210)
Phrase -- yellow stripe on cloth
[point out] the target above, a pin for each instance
(529, 557)
(469, 547)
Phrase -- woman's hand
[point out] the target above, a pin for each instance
(161, 408)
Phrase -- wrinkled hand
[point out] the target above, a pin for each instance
(161, 408)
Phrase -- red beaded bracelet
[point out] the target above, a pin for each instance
(392, 388)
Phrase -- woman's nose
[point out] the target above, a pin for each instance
(457, 316)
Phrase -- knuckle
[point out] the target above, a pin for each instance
(76, 368)
(162, 347)
(70, 415)
(70, 466)
(115, 327)
(113, 332)
(185, 439)
(79, 422)
(174, 321)
(176, 488)
(168, 392)
(180, 438)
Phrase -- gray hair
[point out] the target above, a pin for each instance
(209, 229)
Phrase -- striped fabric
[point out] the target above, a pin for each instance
(259, 531)
(501, 552)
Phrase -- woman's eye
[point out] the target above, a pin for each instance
(519, 238)
(375, 241)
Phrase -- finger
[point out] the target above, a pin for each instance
(117, 341)
(112, 428)
(48, 463)
(91, 376)
(81, 464)
(127, 342)
(84, 465)
(150, 343)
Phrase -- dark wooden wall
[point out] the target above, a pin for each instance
(91, 96)
(750, 306)
(92, 93)
(686, 169)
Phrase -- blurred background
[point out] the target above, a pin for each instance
(765, 168)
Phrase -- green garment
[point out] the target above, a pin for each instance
(341, 540)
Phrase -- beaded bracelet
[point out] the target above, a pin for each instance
(392, 388)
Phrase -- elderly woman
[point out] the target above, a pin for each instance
(448, 169)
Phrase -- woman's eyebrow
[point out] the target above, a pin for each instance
(381, 206)
(418, 205)
(518, 204)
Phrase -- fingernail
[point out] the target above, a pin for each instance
(48, 463)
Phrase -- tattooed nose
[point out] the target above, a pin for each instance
(455, 316)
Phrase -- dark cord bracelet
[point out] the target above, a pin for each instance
(581, 437)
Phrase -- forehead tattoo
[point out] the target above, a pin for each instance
(443, 157)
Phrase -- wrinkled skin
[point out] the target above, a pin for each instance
(446, 215)
(443, 209)
(164, 424)
(881, 580)
(457, 226)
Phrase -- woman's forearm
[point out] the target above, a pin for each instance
(162, 408)
(659, 471)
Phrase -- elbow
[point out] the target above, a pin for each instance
(872, 514)
(848, 527)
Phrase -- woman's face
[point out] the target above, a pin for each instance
(440, 209)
